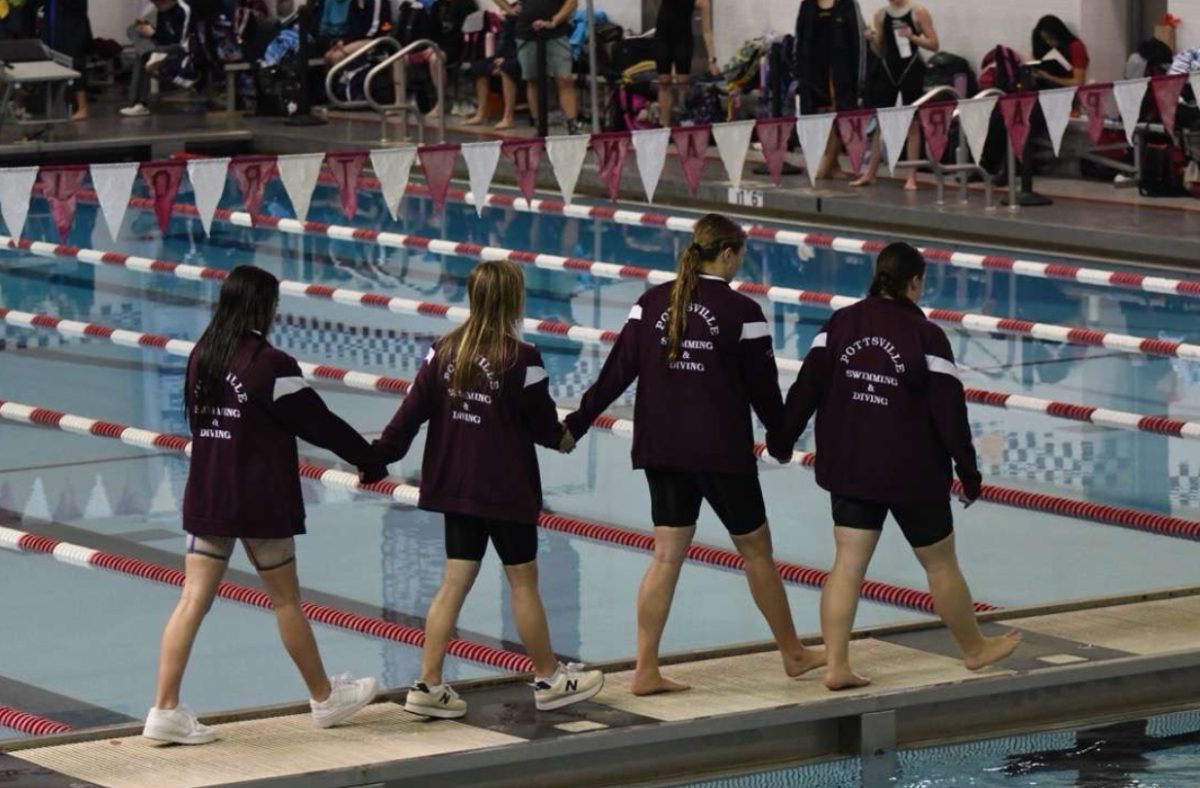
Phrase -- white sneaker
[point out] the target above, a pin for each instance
(177, 726)
(439, 701)
(186, 84)
(570, 684)
(347, 696)
(136, 111)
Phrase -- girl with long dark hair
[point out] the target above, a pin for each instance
(486, 396)
(702, 356)
(891, 426)
(246, 404)
(1051, 34)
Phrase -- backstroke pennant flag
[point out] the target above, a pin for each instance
(393, 168)
(1016, 109)
(935, 118)
(894, 123)
(813, 132)
(691, 145)
(252, 174)
(60, 188)
(438, 163)
(1056, 108)
(852, 130)
(650, 145)
(525, 156)
(114, 185)
(346, 167)
(975, 120)
(481, 158)
(773, 135)
(208, 184)
(611, 148)
(16, 192)
(566, 158)
(1129, 94)
(162, 179)
(1093, 100)
(300, 173)
(1166, 91)
(733, 143)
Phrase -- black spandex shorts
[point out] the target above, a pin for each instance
(882, 92)
(737, 498)
(467, 539)
(923, 524)
(673, 48)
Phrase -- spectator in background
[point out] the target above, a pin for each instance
(502, 64)
(549, 19)
(898, 33)
(161, 36)
(831, 63)
(65, 28)
(674, 46)
(1051, 34)
(353, 24)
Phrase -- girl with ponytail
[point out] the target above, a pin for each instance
(702, 358)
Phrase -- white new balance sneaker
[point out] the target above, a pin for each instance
(347, 697)
(569, 684)
(177, 726)
(136, 111)
(439, 701)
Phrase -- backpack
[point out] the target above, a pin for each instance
(741, 72)
(351, 83)
(1163, 164)
(1004, 69)
(632, 51)
(412, 23)
(446, 18)
(781, 66)
(704, 103)
(608, 38)
(630, 106)
(946, 69)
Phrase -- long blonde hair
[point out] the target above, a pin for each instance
(712, 235)
(496, 292)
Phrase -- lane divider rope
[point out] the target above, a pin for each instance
(31, 724)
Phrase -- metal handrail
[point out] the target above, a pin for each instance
(933, 93)
(342, 65)
(403, 105)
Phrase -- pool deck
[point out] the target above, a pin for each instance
(1108, 658)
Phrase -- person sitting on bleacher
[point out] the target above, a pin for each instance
(503, 64)
(161, 36)
(365, 20)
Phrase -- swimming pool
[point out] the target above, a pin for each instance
(91, 635)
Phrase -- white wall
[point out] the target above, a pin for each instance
(110, 18)
(1104, 32)
(1188, 33)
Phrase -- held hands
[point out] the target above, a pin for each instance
(566, 444)
(376, 470)
(779, 450)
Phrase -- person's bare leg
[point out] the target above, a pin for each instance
(81, 106)
(567, 98)
(952, 602)
(530, 617)
(655, 594)
(769, 595)
(829, 167)
(666, 99)
(868, 177)
(532, 98)
(839, 602)
(914, 153)
(283, 585)
(202, 576)
(508, 87)
(482, 92)
(457, 579)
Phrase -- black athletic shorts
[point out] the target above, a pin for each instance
(673, 48)
(737, 498)
(923, 524)
(467, 539)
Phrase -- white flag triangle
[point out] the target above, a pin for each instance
(566, 157)
(163, 501)
(98, 505)
(208, 184)
(733, 143)
(299, 173)
(1056, 108)
(481, 159)
(114, 186)
(894, 123)
(16, 191)
(975, 119)
(392, 167)
(1129, 94)
(651, 146)
(813, 132)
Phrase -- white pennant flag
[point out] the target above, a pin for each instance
(299, 173)
(813, 132)
(733, 143)
(894, 123)
(566, 157)
(1129, 94)
(208, 184)
(114, 185)
(651, 146)
(392, 167)
(1056, 107)
(975, 120)
(16, 191)
(481, 158)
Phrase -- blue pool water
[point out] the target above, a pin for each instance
(386, 559)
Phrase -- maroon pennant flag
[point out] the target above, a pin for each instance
(346, 168)
(60, 187)
(935, 123)
(691, 143)
(1016, 109)
(1166, 91)
(162, 179)
(611, 149)
(252, 174)
(773, 135)
(525, 156)
(852, 129)
(1092, 100)
(438, 163)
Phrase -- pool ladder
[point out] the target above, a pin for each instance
(402, 105)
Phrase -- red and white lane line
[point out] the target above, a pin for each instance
(77, 555)
(30, 724)
(367, 381)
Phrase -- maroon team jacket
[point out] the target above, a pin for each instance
(891, 412)
(695, 413)
(243, 479)
(479, 458)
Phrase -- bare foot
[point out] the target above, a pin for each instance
(79, 115)
(863, 180)
(655, 684)
(994, 650)
(796, 665)
(474, 120)
(911, 185)
(507, 123)
(836, 680)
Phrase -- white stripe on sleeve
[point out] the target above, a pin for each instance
(286, 386)
(534, 375)
(429, 356)
(636, 312)
(941, 366)
(755, 331)
(820, 340)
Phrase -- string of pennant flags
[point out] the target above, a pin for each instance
(61, 185)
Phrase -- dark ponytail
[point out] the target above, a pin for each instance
(712, 235)
(897, 265)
